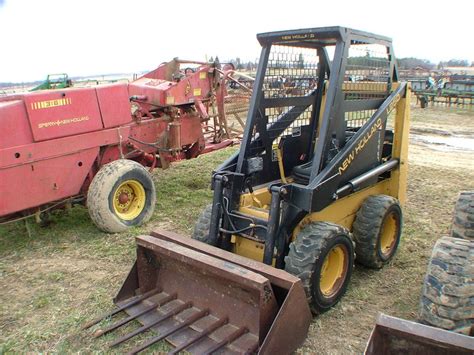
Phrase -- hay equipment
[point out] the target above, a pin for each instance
(90, 145)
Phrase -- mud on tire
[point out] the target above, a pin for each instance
(463, 217)
(447, 299)
(377, 230)
(306, 260)
(131, 179)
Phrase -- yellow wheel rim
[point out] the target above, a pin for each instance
(333, 271)
(388, 234)
(129, 200)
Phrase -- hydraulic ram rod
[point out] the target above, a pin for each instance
(353, 184)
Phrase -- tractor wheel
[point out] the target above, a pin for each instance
(463, 218)
(377, 230)
(322, 256)
(447, 299)
(121, 195)
(201, 228)
(423, 102)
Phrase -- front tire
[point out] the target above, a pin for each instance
(322, 256)
(121, 195)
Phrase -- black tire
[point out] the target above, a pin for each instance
(111, 179)
(447, 299)
(377, 230)
(423, 102)
(203, 223)
(307, 256)
(463, 217)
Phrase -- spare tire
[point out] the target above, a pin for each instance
(463, 216)
(447, 299)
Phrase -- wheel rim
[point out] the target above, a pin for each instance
(129, 200)
(388, 234)
(333, 271)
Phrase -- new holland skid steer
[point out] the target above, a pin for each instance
(319, 181)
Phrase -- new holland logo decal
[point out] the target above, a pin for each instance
(360, 146)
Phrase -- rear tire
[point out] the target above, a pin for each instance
(203, 223)
(322, 256)
(447, 299)
(377, 230)
(463, 218)
(121, 195)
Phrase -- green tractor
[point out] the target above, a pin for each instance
(54, 81)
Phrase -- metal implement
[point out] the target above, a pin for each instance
(202, 299)
(56, 141)
(393, 335)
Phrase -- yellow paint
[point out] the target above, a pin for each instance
(262, 194)
(398, 180)
(389, 234)
(365, 86)
(197, 92)
(331, 277)
(280, 163)
(202, 75)
(261, 213)
(248, 248)
(135, 200)
(39, 105)
(343, 211)
(170, 100)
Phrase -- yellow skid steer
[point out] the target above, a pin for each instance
(318, 183)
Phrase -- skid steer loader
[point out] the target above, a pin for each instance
(318, 181)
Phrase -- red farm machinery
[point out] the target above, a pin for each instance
(91, 145)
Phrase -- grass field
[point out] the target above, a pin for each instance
(56, 278)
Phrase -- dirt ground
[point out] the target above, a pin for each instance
(55, 279)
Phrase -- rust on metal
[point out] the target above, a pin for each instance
(163, 335)
(125, 321)
(209, 300)
(199, 336)
(132, 302)
(393, 335)
(164, 317)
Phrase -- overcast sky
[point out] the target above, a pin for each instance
(86, 37)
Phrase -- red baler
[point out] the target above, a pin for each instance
(59, 146)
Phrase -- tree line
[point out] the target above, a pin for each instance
(403, 63)
(412, 63)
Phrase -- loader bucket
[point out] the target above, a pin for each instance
(393, 335)
(202, 299)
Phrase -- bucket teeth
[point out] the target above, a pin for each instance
(124, 321)
(132, 302)
(160, 319)
(163, 335)
(227, 340)
(175, 308)
(199, 336)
